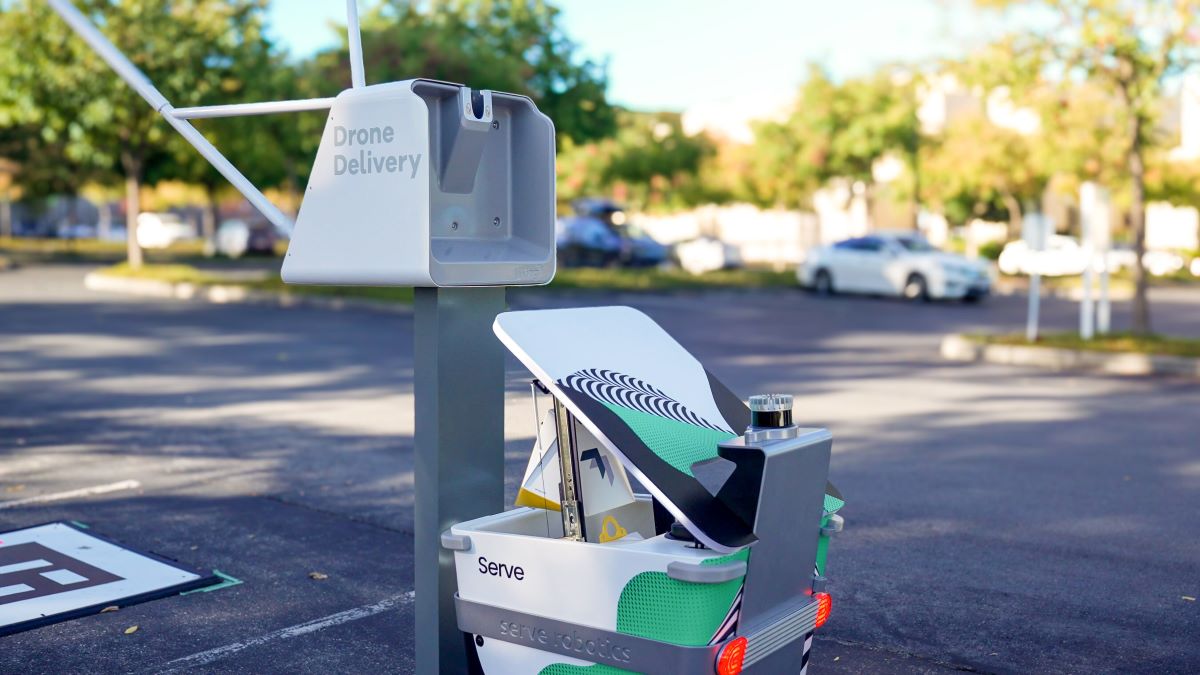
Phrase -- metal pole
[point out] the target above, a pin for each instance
(1087, 306)
(1034, 232)
(459, 458)
(354, 38)
(1104, 307)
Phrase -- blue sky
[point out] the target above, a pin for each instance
(673, 54)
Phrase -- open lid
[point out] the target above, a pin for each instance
(644, 397)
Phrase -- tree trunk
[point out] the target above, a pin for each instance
(1014, 215)
(6, 228)
(210, 220)
(916, 200)
(868, 196)
(1137, 219)
(133, 206)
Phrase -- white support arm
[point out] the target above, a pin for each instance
(242, 109)
(358, 77)
(138, 80)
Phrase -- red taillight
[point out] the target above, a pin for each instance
(824, 604)
(730, 661)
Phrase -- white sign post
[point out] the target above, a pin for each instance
(1034, 231)
(1096, 231)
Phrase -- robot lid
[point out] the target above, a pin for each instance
(647, 399)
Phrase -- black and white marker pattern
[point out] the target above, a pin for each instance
(625, 390)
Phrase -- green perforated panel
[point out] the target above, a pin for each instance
(832, 504)
(655, 606)
(594, 669)
(677, 443)
(822, 546)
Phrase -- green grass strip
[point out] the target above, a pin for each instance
(1113, 342)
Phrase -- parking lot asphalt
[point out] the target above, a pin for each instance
(999, 519)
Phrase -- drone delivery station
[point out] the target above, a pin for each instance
(663, 525)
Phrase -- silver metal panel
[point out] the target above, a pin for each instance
(455, 542)
(788, 520)
(628, 652)
(791, 627)
(706, 574)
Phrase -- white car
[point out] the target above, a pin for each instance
(894, 264)
(706, 254)
(160, 230)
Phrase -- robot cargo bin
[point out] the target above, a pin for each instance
(538, 603)
(719, 567)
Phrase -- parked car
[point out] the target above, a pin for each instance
(581, 240)
(894, 264)
(1157, 263)
(1064, 256)
(160, 230)
(76, 231)
(586, 242)
(236, 238)
(707, 254)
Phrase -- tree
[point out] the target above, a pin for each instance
(516, 46)
(188, 48)
(39, 142)
(974, 165)
(1127, 49)
(649, 162)
(835, 130)
(268, 149)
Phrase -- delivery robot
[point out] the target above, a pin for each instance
(663, 525)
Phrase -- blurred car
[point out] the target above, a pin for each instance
(236, 238)
(160, 230)
(582, 243)
(902, 265)
(1157, 263)
(586, 242)
(1064, 256)
(76, 231)
(639, 249)
(706, 254)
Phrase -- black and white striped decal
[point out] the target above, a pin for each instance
(624, 390)
(807, 651)
(808, 637)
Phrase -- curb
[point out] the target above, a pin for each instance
(957, 347)
(224, 294)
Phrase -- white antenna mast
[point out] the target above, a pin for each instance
(178, 118)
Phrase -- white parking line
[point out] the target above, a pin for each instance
(207, 657)
(72, 494)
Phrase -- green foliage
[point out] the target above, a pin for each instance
(835, 130)
(648, 164)
(67, 120)
(1123, 51)
(991, 250)
(508, 45)
(188, 49)
(1115, 342)
(976, 169)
